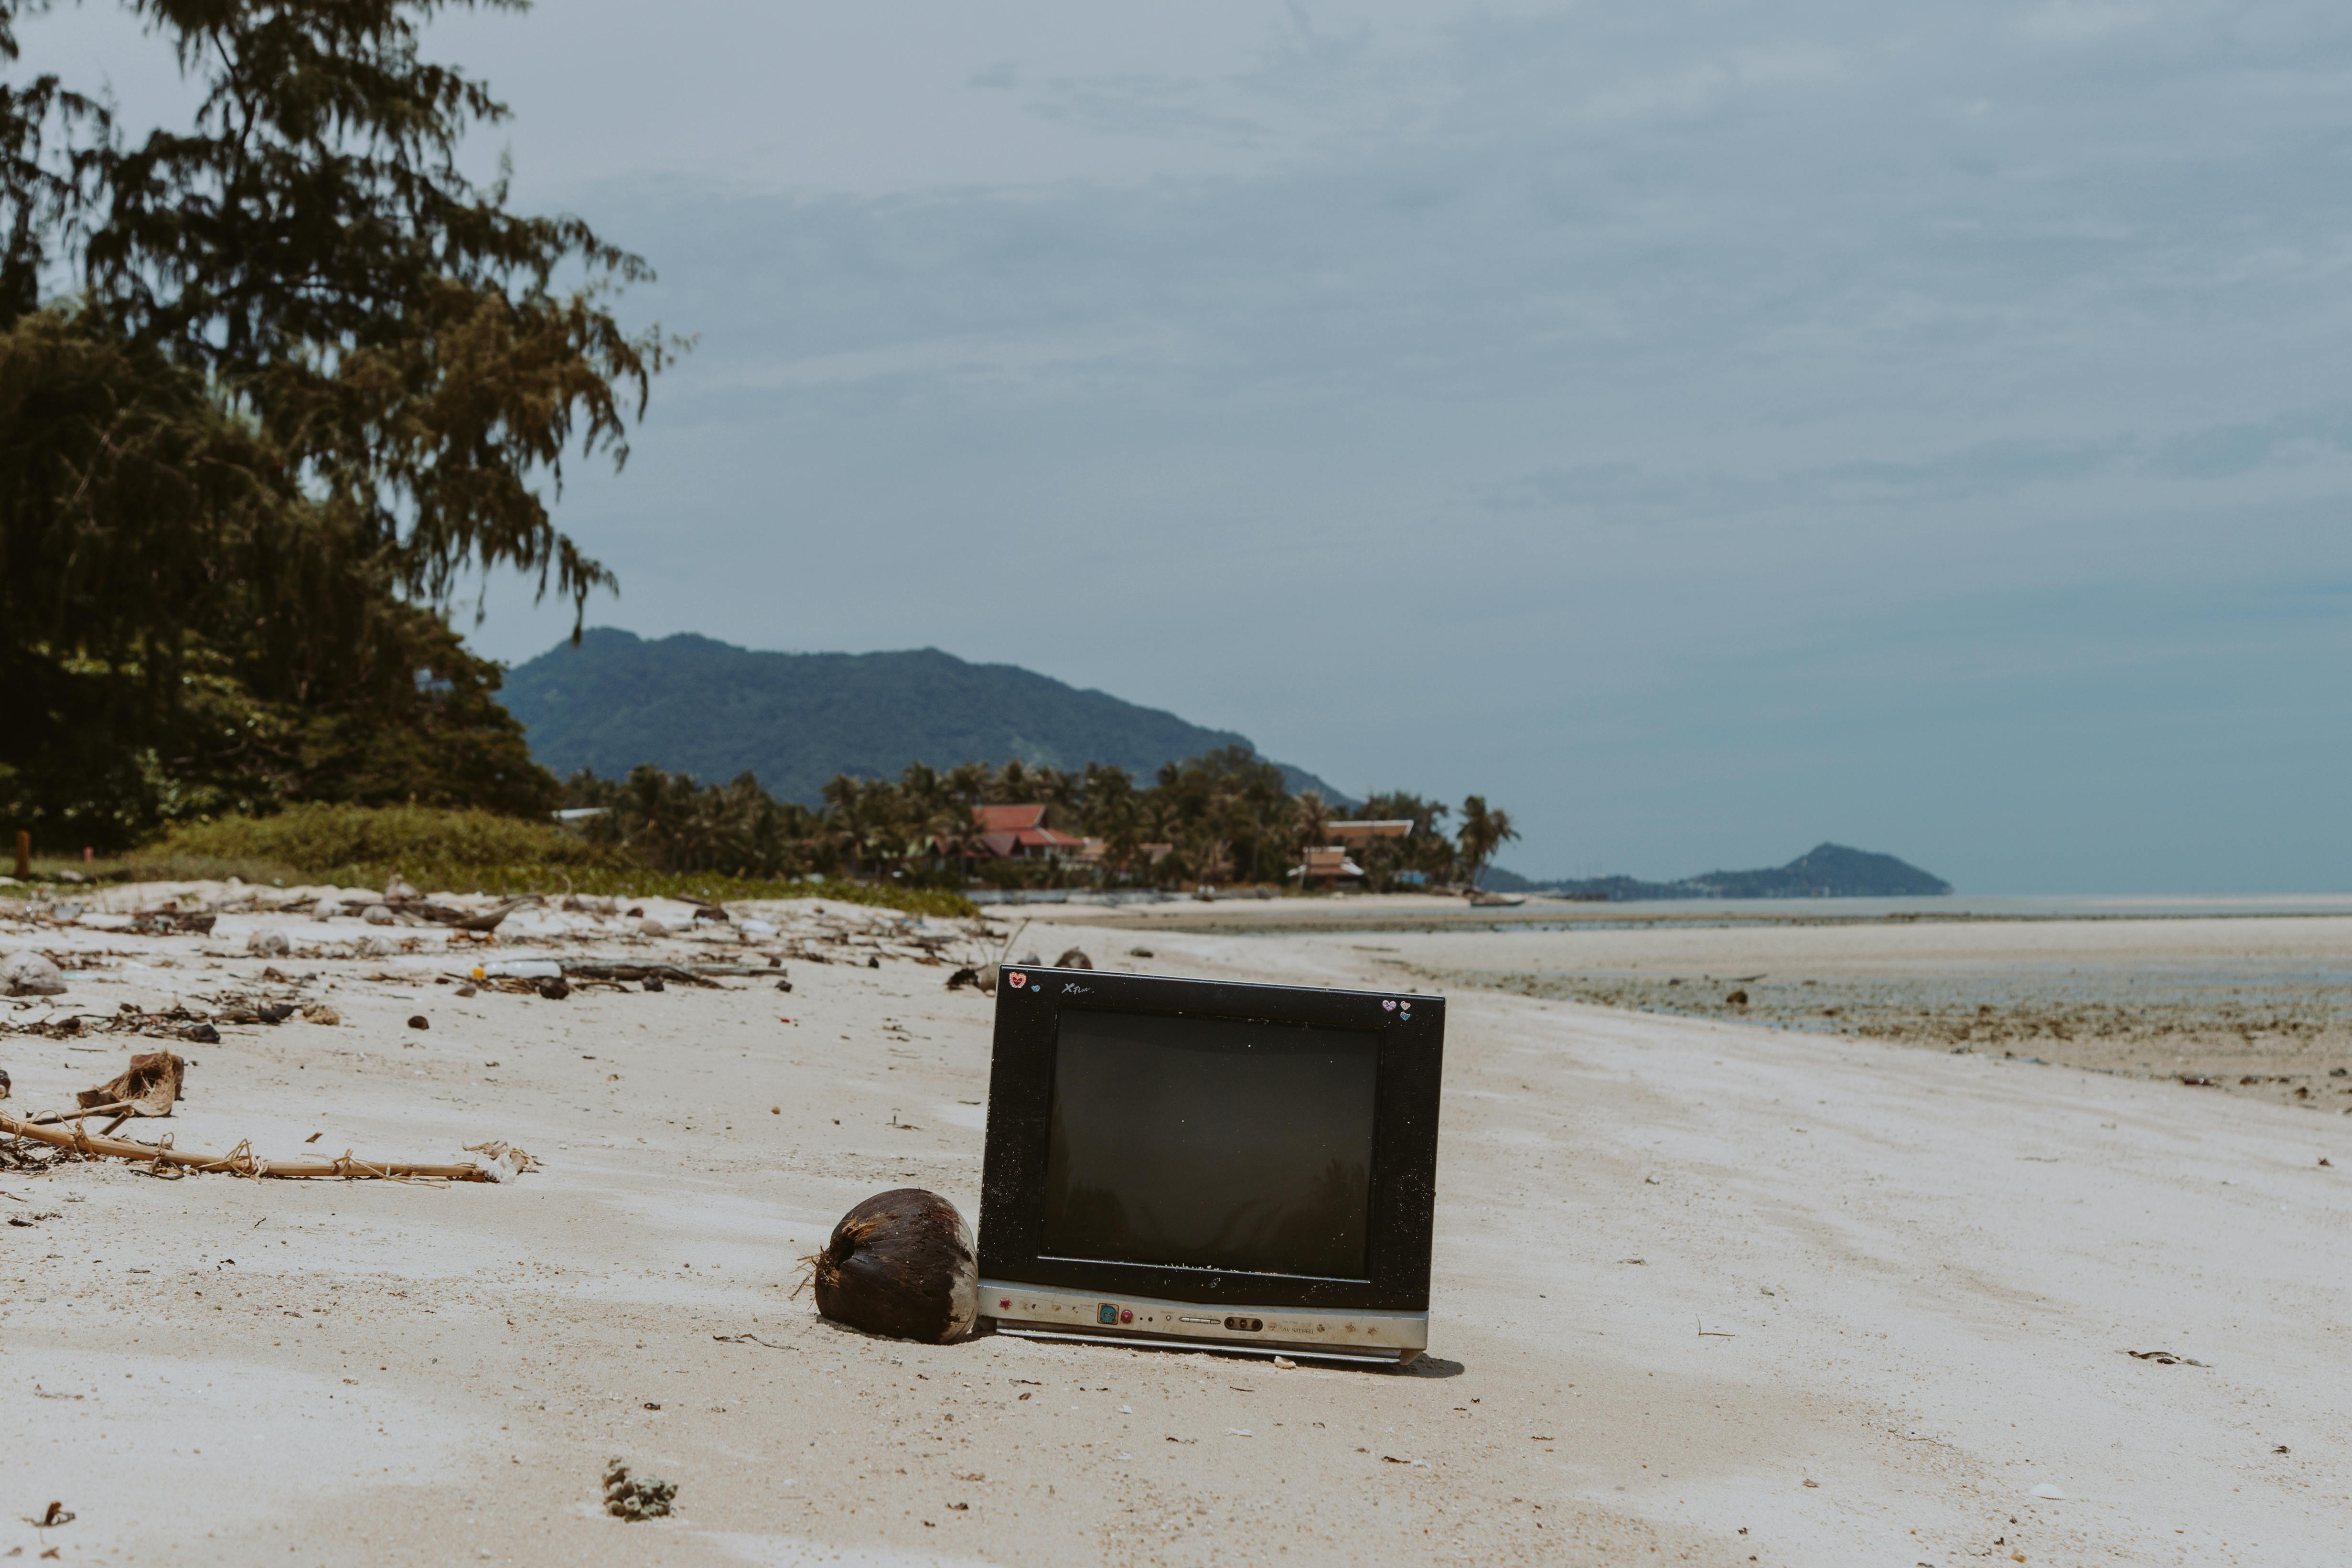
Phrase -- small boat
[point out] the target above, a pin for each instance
(1497, 901)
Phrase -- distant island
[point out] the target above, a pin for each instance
(693, 705)
(1825, 871)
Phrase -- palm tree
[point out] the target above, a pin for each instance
(1483, 832)
(1310, 821)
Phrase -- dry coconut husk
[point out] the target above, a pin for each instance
(900, 1264)
(149, 1087)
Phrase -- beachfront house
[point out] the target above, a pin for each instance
(1019, 833)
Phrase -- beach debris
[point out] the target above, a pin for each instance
(56, 1514)
(148, 1087)
(419, 1020)
(899, 1264)
(2199, 1080)
(319, 1013)
(520, 969)
(601, 969)
(651, 927)
(755, 928)
(379, 915)
(240, 1161)
(1074, 958)
(1737, 999)
(783, 985)
(554, 990)
(171, 922)
(712, 912)
(505, 1161)
(397, 889)
(30, 973)
(654, 983)
(962, 977)
(461, 919)
(1141, 952)
(269, 944)
(4, 1085)
(1284, 1363)
(2049, 1493)
(636, 1497)
(873, 961)
(2163, 1358)
(201, 1034)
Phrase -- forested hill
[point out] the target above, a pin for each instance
(1825, 871)
(692, 705)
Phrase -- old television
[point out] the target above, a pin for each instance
(1208, 1165)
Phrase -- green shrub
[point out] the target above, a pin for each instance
(314, 840)
(464, 852)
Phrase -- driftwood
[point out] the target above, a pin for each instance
(624, 969)
(120, 1110)
(240, 1161)
(442, 914)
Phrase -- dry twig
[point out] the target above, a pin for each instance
(240, 1161)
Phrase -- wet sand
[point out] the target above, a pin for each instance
(2250, 1006)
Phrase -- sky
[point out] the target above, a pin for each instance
(1705, 428)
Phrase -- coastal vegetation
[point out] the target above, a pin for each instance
(911, 843)
(1223, 818)
(273, 384)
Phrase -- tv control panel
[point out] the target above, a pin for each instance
(1048, 1311)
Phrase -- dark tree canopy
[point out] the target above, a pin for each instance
(307, 377)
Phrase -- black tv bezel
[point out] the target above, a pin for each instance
(1404, 1136)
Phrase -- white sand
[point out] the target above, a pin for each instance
(1917, 1275)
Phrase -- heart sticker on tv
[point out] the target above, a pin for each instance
(1018, 979)
(1389, 1004)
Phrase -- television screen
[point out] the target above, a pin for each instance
(1210, 1144)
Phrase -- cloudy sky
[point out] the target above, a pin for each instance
(1706, 426)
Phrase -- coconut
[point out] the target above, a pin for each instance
(900, 1264)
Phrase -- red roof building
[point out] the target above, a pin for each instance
(1019, 833)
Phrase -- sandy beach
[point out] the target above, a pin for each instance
(1705, 1290)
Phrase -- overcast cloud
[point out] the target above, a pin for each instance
(1708, 429)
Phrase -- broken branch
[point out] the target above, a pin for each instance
(240, 1161)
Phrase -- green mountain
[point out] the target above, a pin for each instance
(1825, 871)
(692, 705)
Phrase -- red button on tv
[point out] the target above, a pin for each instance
(1005, 1301)
(1127, 1314)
